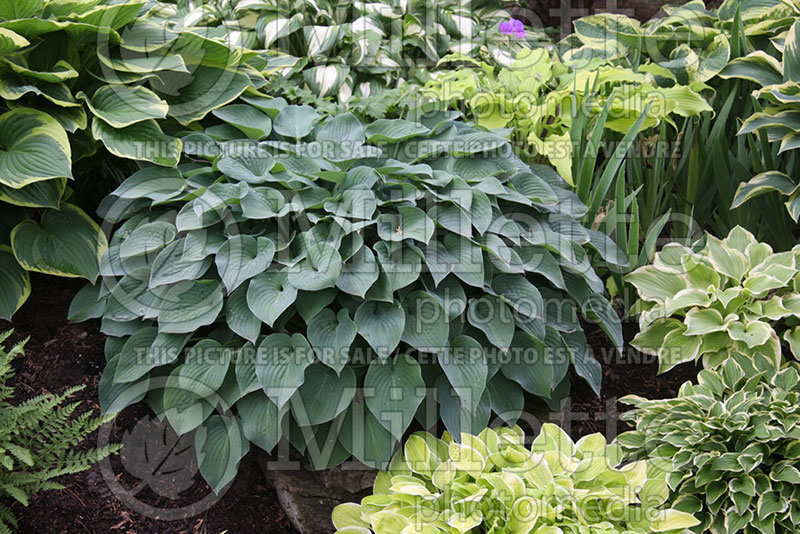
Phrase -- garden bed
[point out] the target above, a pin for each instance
(60, 353)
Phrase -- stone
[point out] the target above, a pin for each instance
(308, 497)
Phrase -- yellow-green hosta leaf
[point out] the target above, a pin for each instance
(67, 242)
(15, 283)
(33, 147)
(667, 520)
(348, 515)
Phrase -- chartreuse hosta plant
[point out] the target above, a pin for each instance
(313, 258)
(493, 483)
(76, 78)
(732, 443)
(729, 294)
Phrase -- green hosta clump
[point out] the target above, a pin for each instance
(733, 441)
(493, 483)
(309, 258)
(729, 294)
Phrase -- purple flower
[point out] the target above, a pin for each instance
(513, 27)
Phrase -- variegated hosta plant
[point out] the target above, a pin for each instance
(732, 443)
(78, 78)
(338, 271)
(492, 483)
(730, 294)
(357, 48)
(779, 83)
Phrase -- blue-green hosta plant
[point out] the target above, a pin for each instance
(723, 295)
(337, 271)
(493, 484)
(732, 443)
(80, 81)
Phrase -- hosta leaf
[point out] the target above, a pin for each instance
(44, 194)
(238, 315)
(365, 437)
(248, 164)
(191, 97)
(325, 394)
(381, 324)
(280, 365)
(220, 445)
(426, 323)
(391, 130)
(15, 284)
(172, 265)
(254, 123)
(464, 364)
(331, 335)
(120, 106)
(491, 315)
(319, 270)
(33, 147)
(242, 257)
(66, 242)
(295, 122)
(261, 420)
(409, 223)
(192, 304)
(393, 390)
(269, 294)
(529, 365)
(359, 273)
(11, 41)
(141, 141)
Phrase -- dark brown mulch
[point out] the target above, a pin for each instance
(60, 354)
